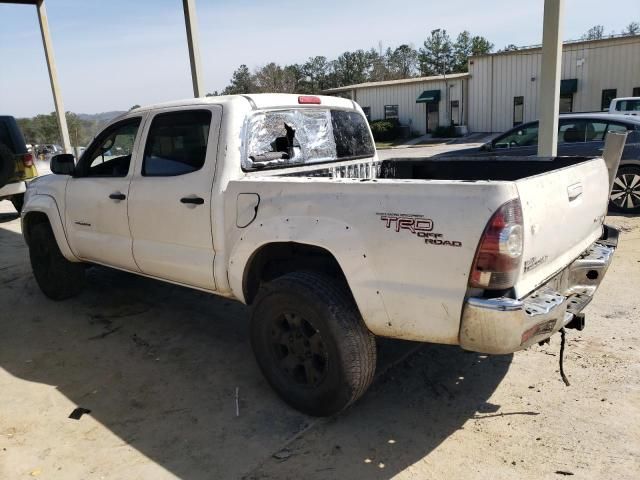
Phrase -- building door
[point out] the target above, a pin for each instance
(433, 116)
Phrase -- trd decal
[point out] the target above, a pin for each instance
(419, 226)
(413, 223)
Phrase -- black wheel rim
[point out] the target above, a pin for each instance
(299, 350)
(626, 190)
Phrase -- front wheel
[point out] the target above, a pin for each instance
(311, 343)
(57, 277)
(625, 194)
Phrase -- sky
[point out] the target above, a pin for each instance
(112, 54)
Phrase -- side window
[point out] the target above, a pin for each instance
(110, 153)
(595, 131)
(572, 131)
(525, 136)
(177, 143)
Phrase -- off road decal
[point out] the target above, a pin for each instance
(534, 262)
(417, 225)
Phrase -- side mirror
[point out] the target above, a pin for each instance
(63, 164)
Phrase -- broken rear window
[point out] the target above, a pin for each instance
(282, 138)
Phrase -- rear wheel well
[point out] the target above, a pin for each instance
(277, 259)
(32, 219)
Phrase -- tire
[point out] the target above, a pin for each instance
(311, 343)
(7, 165)
(18, 202)
(625, 194)
(57, 277)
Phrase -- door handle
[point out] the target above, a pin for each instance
(117, 196)
(192, 200)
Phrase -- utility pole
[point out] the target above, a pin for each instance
(191, 23)
(550, 78)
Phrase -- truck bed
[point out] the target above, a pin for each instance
(505, 168)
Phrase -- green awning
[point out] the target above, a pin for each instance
(568, 86)
(429, 96)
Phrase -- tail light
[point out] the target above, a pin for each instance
(27, 160)
(499, 253)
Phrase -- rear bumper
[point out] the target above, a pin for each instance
(505, 325)
(11, 189)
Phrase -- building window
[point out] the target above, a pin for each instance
(607, 95)
(636, 92)
(566, 103)
(518, 110)
(367, 113)
(390, 111)
(455, 112)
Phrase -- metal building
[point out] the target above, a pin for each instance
(504, 87)
(422, 103)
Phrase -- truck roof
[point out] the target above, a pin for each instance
(257, 100)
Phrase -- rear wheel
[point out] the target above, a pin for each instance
(57, 277)
(625, 194)
(18, 202)
(311, 343)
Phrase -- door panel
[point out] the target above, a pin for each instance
(170, 208)
(97, 197)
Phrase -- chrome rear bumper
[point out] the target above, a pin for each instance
(505, 325)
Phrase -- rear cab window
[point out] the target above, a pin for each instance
(301, 136)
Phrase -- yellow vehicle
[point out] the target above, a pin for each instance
(16, 163)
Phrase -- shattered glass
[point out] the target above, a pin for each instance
(304, 136)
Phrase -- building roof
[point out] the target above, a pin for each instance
(566, 43)
(402, 81)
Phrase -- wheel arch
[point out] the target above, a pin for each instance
(44, 209)
(275, 259)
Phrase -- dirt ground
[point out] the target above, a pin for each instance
(158, 367)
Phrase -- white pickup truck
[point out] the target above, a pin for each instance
(280, 202)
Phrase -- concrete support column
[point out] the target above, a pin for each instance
(550, 78)
(53, 76)
(191, 23)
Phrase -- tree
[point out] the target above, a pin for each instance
(402, 62)
(632, 29)
(134, 107)
(480, 46)
(594, 33)
(316, 72)
(351, 67)
(436, 55)
(462, 49)
(378, 65)
(215, 93)
(241, 82)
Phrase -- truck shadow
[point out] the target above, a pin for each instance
(159, 366)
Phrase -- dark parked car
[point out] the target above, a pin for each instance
(579, 134)
(16, 163)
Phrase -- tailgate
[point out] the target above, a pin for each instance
(563, 211)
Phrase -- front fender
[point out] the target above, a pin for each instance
(46, 204)
(343, 241)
